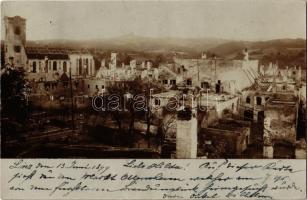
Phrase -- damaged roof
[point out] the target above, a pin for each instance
(42, 56)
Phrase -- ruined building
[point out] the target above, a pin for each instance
(42, 63)
(15, 41)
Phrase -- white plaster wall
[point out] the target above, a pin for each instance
(186, 138)
(268, 151)
(300, 153)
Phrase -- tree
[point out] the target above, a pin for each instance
(165, 124)
(148, 87)
(117, 115)
(133, 88)
(159, 59)
(14, 94)
(14, 104)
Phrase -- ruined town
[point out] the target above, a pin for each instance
(74, 101)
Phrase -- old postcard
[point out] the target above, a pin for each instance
(153, 99)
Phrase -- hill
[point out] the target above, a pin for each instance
(284, 51)
(136, 43)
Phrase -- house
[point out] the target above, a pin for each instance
(280, 122)
(233, 136)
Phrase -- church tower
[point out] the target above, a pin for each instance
(15, 41)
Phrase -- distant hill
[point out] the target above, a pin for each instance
(284, 51)
(136, 43)
(271, 46)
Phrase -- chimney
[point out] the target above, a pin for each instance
(186, 134)
(246, 56)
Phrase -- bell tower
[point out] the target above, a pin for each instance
(15, 41)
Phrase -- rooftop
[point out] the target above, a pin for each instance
(17, 17)
(52, 50)
(51, 56)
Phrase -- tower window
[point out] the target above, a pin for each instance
(258, 100)
(248, 100)
(17, 30)
(189, 82)
(17, 49)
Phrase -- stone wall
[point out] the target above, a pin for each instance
(224, 70)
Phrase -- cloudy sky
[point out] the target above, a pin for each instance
(238, 19)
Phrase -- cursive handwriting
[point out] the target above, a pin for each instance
(166, 179)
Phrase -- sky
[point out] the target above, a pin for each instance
(237, 19)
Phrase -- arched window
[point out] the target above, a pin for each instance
(54, 66)
(258, 100)
(86, 67)
(64, 66)
(80, 66)
(34, 66)
(91, 67)
(248, 100)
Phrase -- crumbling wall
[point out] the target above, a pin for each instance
(280, 123)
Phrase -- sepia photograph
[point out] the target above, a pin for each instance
(153, 79)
